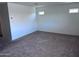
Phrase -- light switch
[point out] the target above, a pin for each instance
(11, 17)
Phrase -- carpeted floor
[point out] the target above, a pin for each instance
(43, 44)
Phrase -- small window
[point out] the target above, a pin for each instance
(41, 12)
(75, 10)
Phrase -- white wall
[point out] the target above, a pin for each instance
(58, 20)
(23, 20)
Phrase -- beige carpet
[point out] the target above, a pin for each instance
(42, 44)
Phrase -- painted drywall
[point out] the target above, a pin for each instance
(58, 20)
(22, 20)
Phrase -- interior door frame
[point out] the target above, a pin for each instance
(5, 23)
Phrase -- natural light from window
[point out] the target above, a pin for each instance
(74, 10)
(41, 12)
